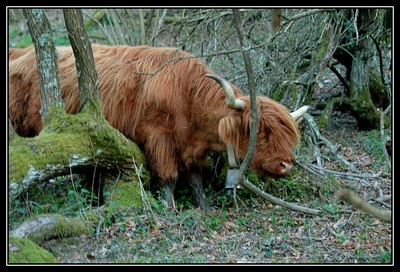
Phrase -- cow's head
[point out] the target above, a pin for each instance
(277, 131)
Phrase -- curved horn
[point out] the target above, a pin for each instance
(231, 102)
(299, 113)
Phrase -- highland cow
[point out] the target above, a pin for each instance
(167, 101)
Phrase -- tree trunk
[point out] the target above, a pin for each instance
(361, 102)
(84, 61)
(46, 60)
(369, 88)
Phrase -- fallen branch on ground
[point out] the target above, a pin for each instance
(319, 139)
(353, 199)
(278, 201)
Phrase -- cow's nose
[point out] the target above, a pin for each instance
(287, 166)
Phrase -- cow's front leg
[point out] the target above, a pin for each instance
(167, 193)
(196, 184)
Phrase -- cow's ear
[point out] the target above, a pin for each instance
(228, 129)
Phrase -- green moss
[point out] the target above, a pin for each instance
(18, 38)
(326, 113)
(126, 195)
(324, 119)
(22, 250)
(78, 137)
(375, 80)
(304, 64)
(293, 87)
(279, 92)
(71, 135)
(45, 149)
(298, 186)
(57, 226)
(364, 110)
(324, 43)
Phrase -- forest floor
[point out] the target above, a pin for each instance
(257, 232)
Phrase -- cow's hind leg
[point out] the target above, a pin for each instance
(196, 184)
(167, 193)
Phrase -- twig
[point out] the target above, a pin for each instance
(309, 169)
(121, 27)
(382, 130)
(278, 201)
(349, 174)
(353, 199)
(332, 231)
(159, 20)
(317, 151)
(101, 221)
(307, 13)
(355, 26)
(110, 40)
(384, 198)
(334, 149)
(143, 194)
(382, 203)
(340, 77)
(112, 30)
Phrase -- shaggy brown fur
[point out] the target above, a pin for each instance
(160, 98)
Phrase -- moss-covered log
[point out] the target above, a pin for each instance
(47, 226)
(72, 144)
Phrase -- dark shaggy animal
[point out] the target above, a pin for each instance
(167, 101)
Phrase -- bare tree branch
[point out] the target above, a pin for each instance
(353, 199)
(253, 100)
(307, 13)
(382, 131)
(254, 128)
(278, 201)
